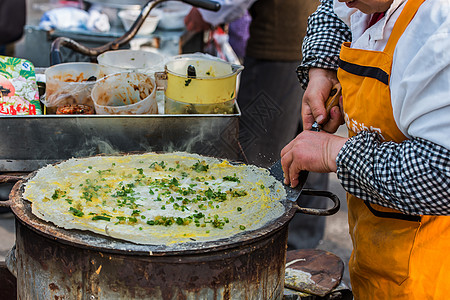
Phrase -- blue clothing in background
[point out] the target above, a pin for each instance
(238, 32)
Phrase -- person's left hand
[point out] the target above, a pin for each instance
(311, 151)
(194, 21)
(321, 81)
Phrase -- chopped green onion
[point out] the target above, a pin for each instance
(103, 218)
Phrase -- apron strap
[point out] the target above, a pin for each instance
(392, 215)
(408, 13)
(365, 71)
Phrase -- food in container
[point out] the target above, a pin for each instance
(198, 83)
(125, 93)
(75, 109)
(18, 89)
(70, 83)
(131, 60)
(177, 107)
(129, 16)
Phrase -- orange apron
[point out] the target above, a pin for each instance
(395, 256)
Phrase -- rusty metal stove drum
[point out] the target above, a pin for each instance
(56, 263)
(49, 269)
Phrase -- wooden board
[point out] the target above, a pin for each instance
(313, 271)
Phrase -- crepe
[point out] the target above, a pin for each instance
(158, 199)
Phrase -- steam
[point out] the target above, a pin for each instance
(95, 146)
(175, 135)
(61, 138)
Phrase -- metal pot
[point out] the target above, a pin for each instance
(211, 81)
(51, 262)
(198, 83)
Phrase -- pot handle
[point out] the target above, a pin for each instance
(205, 4)
(161, 81)
(8, 179)
(236, 69)
(319, 211)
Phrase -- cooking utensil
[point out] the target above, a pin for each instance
(191, 72)
(201, 79)
(293, 194)
(199, 84)
(16, 200)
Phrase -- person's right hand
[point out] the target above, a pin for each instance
(321, 81)
(194, 21)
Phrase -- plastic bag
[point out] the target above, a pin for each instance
(218, 45)
(71, 18)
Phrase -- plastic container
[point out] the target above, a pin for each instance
(129, 16)
(70, 83)
(131, 60)
(172, 16)
(128, 93)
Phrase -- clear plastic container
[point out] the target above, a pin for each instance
(70, 83)
(131, 60)
(129, 16)
(128, 93)
(173, 14)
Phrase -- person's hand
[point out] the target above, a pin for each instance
(321, 81)
(194, 21)
(311, 151)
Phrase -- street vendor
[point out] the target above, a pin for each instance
(395, 165)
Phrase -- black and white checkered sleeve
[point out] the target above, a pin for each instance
(322, 43)
(412, 176)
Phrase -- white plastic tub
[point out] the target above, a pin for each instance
(173, 14)
(131, 60)
(129, 16)
(127, 93)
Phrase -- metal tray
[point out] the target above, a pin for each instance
(30, 142)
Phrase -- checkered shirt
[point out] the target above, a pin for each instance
(412, 177)
(322, 43)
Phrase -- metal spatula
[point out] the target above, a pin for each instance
(293, 194)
